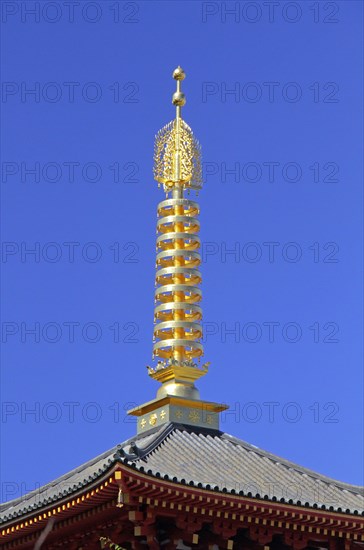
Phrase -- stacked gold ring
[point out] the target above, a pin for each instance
(177, 330)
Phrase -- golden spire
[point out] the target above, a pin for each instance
(178, 330)
(177, 315)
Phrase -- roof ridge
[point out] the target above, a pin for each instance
(140, 453)
(107, 455)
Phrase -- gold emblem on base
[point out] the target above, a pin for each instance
(194, 416)
(153, 419)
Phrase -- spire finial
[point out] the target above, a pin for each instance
(177, 155)
(179, 98)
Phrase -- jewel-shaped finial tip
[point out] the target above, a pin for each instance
(179, 74)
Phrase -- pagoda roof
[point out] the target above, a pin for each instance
(205, 459)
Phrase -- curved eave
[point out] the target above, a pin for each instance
(138, 485)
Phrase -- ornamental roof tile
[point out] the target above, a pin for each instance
(206, 459)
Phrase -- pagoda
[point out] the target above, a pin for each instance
(180, 482)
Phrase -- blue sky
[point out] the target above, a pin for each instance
(274, 95)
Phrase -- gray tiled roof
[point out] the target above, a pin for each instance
(207, 459)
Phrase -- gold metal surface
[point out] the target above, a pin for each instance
(150, 406)
(177, 157)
